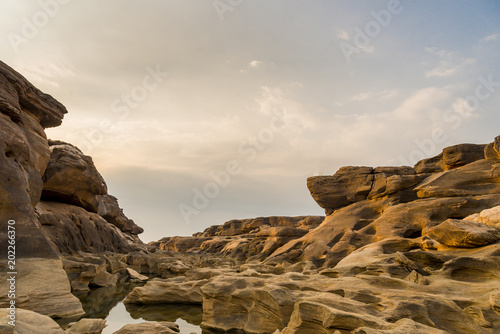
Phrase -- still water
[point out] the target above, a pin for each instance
(186, 316)
(106, 303)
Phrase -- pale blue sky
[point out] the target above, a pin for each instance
(404, 93)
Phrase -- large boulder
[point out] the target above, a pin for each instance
(28, 322)
(481, 177)
(71, 177)
(32, 292)
(348, 185)
(246, 303)
(73, 229)
(463, 233)
(18, 96)
(86, 326)
(451, 157)
(489, 217)
(159, 291)
(354, 184)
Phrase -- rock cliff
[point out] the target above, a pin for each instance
(55, 199)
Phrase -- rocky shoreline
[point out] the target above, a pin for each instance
(399, 250)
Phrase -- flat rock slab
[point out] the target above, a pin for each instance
(87, 326)
(163, 327)
(464, 233)
(28, 322)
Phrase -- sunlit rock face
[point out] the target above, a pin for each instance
(401, 250)
(53, 196)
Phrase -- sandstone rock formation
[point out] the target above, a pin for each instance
(401, 250)
(24, 113)
(28, 322)
(59, 206)
(150, 327)
(243, 239)
(86, 326)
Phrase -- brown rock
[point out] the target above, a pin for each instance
(463, 233)
(73, 229)
(489, 217)
(495, 301)
(160, 291)
(28, 322)
(24, 154)
(478, 178)
(162, 327)
(86, 326)
(71, 177)
(18, 96)
(451, 157)
(348, 185)
(492, 150)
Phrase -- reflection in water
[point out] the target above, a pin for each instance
(167, 312)
(106, 303)
(97, 303)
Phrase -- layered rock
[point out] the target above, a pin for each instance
(158, 291)
(452, 157)
(53, 196)
(353, 184)
(492, 150)
(72, 178)
(401, 250)
(24, 155)
(243, 239)
(28, 322)
(463, 233)
(162, 327)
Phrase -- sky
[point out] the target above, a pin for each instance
(198, 112)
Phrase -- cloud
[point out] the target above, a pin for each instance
(450, 63)
(491, 38)
(47, 74)
(421, 103)
(382, 95)
(255, 63)
(342, 34)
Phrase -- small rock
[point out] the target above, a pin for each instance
(495, 301)
(87, 326)
(135, 275)
(416, 278)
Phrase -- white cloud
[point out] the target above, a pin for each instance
(255, 63)
(420, 104)
(342, 34)
(491, 38)
(47, 74)
(382, 95)
(361, 96)
(450, 63)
